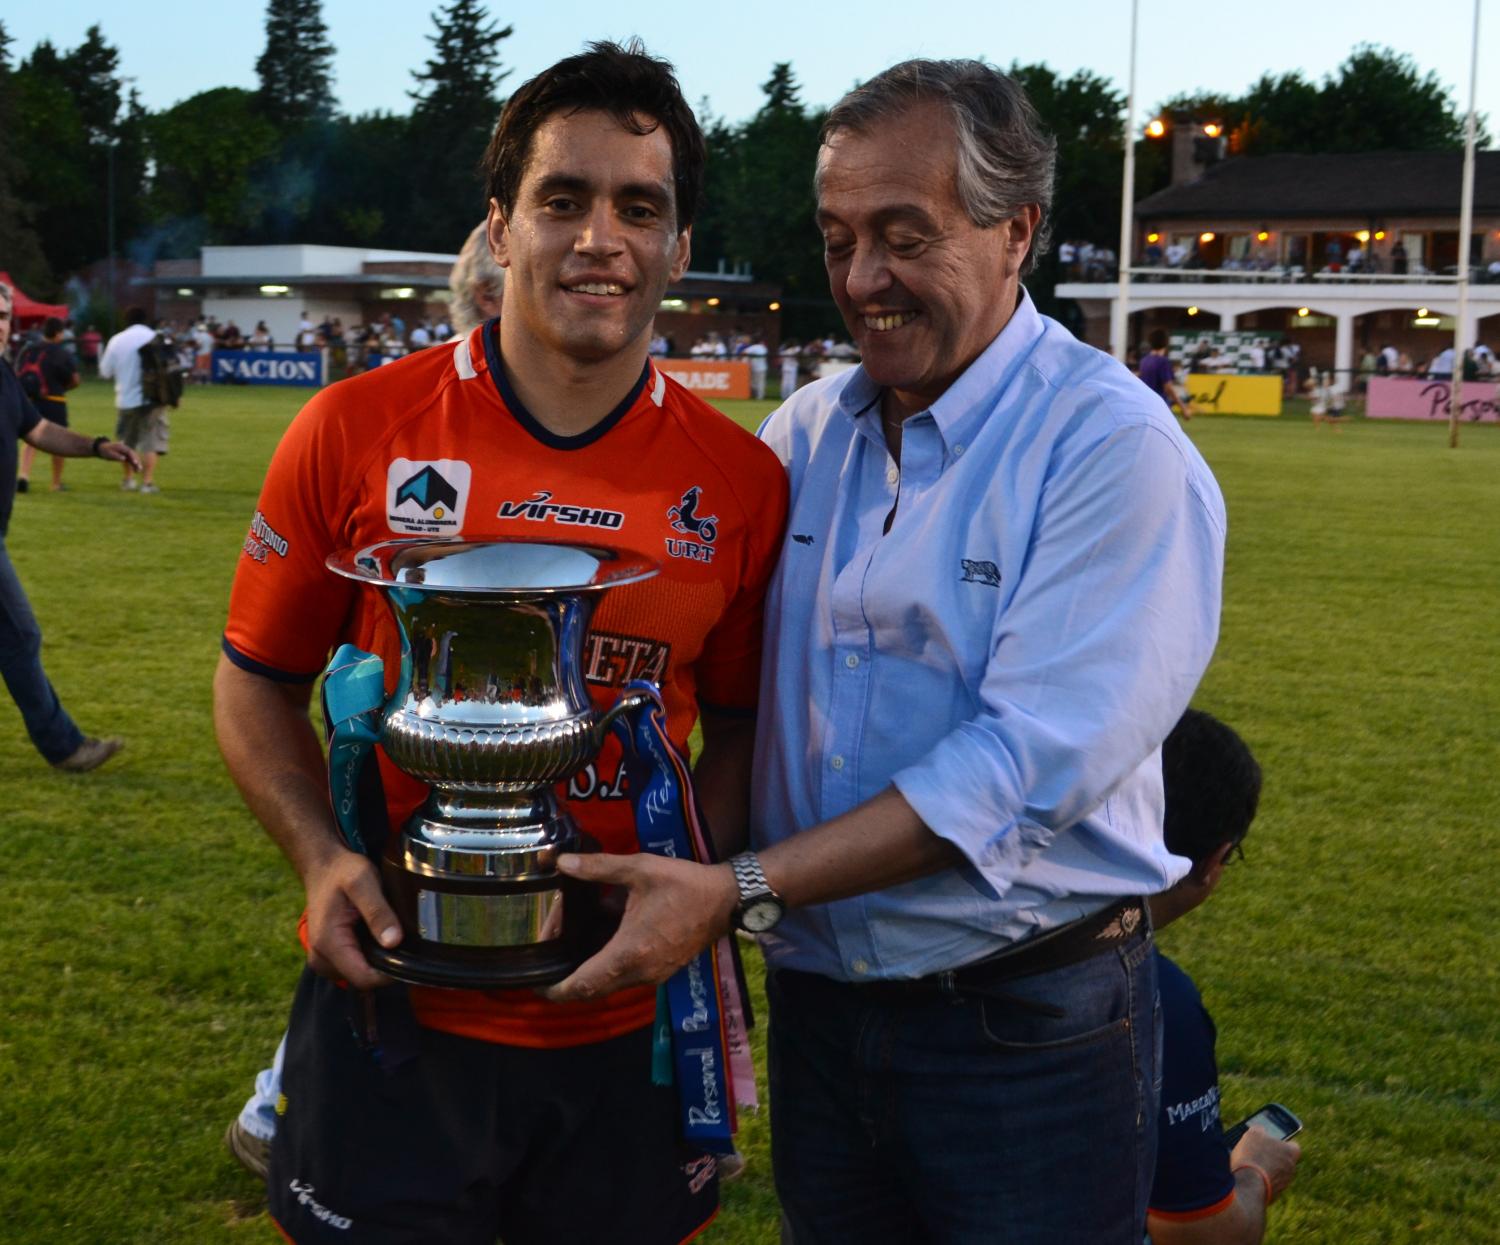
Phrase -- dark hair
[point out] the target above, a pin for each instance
(1158, 339)
(51, 326)
(1006, 157)
(1212, 785)
(136, 315)
(638, 90)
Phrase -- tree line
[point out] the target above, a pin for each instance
(85, 164)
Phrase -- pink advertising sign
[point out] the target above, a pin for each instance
(1403, 397)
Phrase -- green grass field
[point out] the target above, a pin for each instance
(1351, 962)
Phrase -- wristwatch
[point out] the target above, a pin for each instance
(760, 908)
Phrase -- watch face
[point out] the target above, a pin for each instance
(760, 915)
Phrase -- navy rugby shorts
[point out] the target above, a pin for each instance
(466, 1142)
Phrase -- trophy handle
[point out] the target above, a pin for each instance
(634, 698)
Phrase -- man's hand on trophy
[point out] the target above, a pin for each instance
(675, 908)
(343, 891)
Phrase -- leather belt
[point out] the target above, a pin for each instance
(1073, 943)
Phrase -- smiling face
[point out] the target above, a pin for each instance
(922, 288)
(592, 242)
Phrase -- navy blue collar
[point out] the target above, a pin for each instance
(529, 421)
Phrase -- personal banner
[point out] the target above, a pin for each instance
(270, 367)
(1413, 397)
(1215, 394)
(709, 379)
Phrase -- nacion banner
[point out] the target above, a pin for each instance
(1215, 394)
(709, 379)
(269, 367)
(1412, 397)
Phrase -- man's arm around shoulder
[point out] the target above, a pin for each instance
(273, 755)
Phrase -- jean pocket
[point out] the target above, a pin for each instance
(1079, 1005)
(1006, 1027)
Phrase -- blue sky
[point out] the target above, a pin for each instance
(724, 51)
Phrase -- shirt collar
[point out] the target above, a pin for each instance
(970, 398)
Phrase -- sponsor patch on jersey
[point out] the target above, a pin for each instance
(540, 508)
(262, 540)
(427, 498)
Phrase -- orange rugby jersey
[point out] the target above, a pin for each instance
(438, 444)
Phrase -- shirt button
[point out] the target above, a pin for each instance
(836, 762)
(892, 475)
(852, 661)
(860, 967)
(958, 451)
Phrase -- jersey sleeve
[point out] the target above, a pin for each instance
(729, 668)
(286, 606)
(1193, 1179)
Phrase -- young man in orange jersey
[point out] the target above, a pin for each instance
(517, 1118)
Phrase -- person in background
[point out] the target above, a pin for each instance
(141, 424)
(1159, 376)
(1203, 1193)
(52, 367)
(52, 731)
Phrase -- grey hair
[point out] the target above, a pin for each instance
(8, 294)
(474, 271)
(1006, 157)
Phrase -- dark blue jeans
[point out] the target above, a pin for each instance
(1025, 1115)
(51, 729)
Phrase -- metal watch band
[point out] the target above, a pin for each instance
(749, 877)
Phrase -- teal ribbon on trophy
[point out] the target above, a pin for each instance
(353, 706)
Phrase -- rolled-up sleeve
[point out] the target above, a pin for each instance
(1097, 652)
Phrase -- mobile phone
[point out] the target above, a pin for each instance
(1273, 1118)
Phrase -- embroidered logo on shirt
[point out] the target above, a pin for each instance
(540, 508)
(684, 518)
(802, 538)
(427, 498)
(986, 573)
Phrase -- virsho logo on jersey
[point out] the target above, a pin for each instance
(427, 498)
(540, 507)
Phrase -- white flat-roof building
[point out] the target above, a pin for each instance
(247, 284)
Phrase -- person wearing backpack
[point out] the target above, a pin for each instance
(46, 372)
(142, 422)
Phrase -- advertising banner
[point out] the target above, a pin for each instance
(1234, 395)
(269, 367)
(709, 378)
(1412, 397)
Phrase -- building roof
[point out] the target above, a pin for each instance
(1363, 185)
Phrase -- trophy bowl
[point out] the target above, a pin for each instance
(492, 712)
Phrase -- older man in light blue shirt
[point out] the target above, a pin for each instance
(998, 590)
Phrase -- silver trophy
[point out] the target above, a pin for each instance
(491, 709)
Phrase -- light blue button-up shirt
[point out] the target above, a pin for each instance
(1009, 655)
